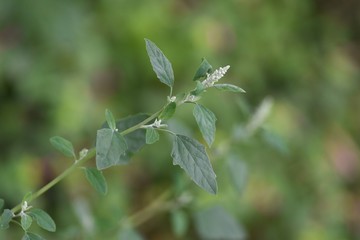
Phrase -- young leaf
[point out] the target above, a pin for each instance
(2, 202)
(179, 222)
(229, 87)
(168, 112)
(63, 145)
(110, 119)
(26, 221)
(205, 119)
(43, 219)
(152, 135)
(5, 218)
(204, 68)
(110, 145)
(199, 89)
(27, 197)
(32, 236)
(190, 155)
(96, 179)
(216, 223)
(161, 65)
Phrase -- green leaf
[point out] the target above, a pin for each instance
(203, 69)
(238, 173)
(110, 119)
(216, 223)
(43, 219)
(32, 236)
(229, 87)
(96, 179)
(5, 218)
(63, 145)
(199, 89)
(179, 223)
(205, 119)
(130, 234)
(190, 155)
(168, 112)
(110, 145)
(2, 202)
(161, 65)
(152, 135)
(27, 197)
(26, 221)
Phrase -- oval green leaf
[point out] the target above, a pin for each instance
(63, 145)
(161, 65)
(205, 119)
(203, 69)
(110, 119)
(96, 179)
(229, 87)
(110, 145)
(168, 112)
(152, 135)
(5, 218)
(43, 219)
(32, 236)
(26, 221)
(190, 155)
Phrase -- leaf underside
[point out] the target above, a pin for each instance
(43, 219)
(206, 121)
(96, 179)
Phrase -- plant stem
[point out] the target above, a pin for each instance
(91, 153)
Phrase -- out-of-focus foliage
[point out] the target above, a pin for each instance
(63, 62)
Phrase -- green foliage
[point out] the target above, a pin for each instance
(229, 87)
(190, 155)
(152, 135)
(96, 179)
(64, 146)
(161, 65)
(130, 234)
(238, 173)
(205, 68)
(43, 219)
(168, 112)
(206, 121)
(5, 218)
(2, 202)
(26, 221)
(179, 222)
(31, 236)
(110, 119)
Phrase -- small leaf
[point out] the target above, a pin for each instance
(204, 68)
(168, 112)
(205, 119)
(238, 173)
(161, 65)
(110, 119)
(190, 155)
(96, 179)
(63, 145)
(130, 234)
(26, 221)
(152, 135)
(27, 197)
(229, 87)
(110, 145)
(5, 218)
(32, 236)
(43, 219)
(216, 223)
(199, 89)
(179, 222)
(2, 202)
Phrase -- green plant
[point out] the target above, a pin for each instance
(118, 140)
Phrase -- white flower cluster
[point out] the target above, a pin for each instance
(215, 76)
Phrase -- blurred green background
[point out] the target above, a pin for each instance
(63, 62)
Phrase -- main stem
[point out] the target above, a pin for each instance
(91, 153)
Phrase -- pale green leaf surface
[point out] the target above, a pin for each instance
(229, 87)
(96, 179)
(5, 219)
(152, 135)
(203, 69)
(130, 234)
(43, 219)
(161, 65)
(216, 223)
(32, 236)
(110, 145)
(26, 221)
(110, 119)
(205, 119)
(63, 145)
(190, 155)
(168, 112)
